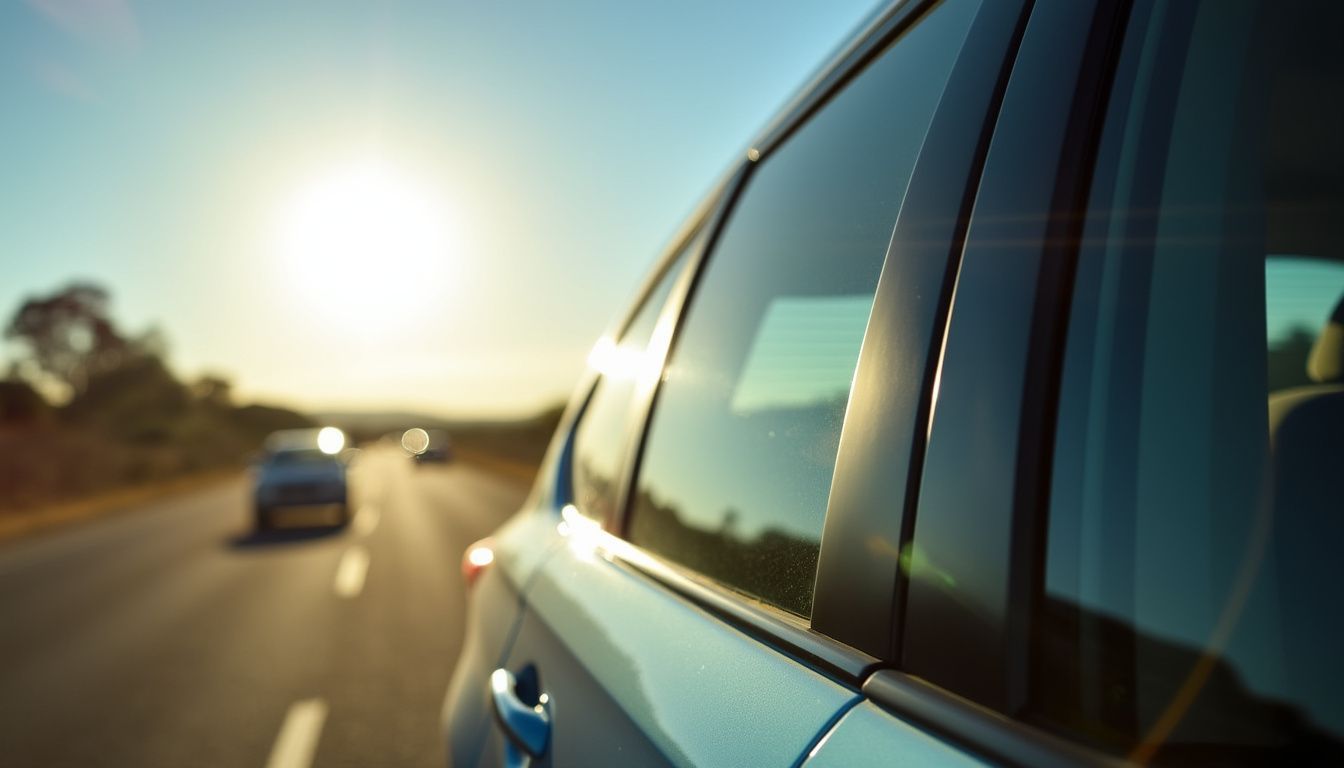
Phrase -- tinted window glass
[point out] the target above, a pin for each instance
(601, 440)
(742, 445)
(1190, 612)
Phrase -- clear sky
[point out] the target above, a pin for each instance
(226, 170)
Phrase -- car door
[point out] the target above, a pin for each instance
(694, 609)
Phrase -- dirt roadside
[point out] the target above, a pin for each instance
(19, 523)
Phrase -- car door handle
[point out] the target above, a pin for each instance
(527, 727)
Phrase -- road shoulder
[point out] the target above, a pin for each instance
(29, 522)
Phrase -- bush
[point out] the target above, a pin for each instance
(20, 404)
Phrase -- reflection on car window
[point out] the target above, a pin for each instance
(803, 353)
(1300, 293)
(1189, 608)
(601, 439)
(742, 444)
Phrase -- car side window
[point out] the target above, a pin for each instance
(1188, 607)
(602, 437)
(741, 447)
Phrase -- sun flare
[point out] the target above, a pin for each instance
(367, 242)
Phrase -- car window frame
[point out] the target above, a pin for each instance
(558, 491)
(679, 256)
(1004, 343)
(992, 36)
(1003, 354)
(860, 587)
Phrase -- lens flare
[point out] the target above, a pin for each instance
(330, 440)
(480, 556)
(414, 441)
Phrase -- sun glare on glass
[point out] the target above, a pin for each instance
(619, 361)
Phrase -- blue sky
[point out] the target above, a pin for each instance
(157, 148)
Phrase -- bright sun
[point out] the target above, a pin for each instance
(366, 242)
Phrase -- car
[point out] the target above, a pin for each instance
(989, 411)
(301, 468)
(438, 448)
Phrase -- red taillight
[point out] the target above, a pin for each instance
(476, 559)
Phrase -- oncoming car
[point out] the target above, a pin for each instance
(989, 411)
(439, 449)
(301, 468)
(427, 445)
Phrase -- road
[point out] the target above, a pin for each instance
(174, 636)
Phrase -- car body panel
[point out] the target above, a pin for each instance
(492, 614)
(695, 690)
(870, 736)
(493, 611)
(523, 543)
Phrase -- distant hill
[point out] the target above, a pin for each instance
(380, 421)
(375, 423)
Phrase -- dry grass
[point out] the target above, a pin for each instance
(32, 520)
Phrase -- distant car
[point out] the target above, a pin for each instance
(301, 468)
(439, 448)
(990, 412)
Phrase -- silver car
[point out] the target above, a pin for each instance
(301, 468)
(990, 412)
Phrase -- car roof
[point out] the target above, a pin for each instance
(292, 440)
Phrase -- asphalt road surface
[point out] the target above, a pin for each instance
(174, 636)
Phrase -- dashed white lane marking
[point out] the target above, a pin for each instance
(297, 742)
(350, 572)
(366, 520)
